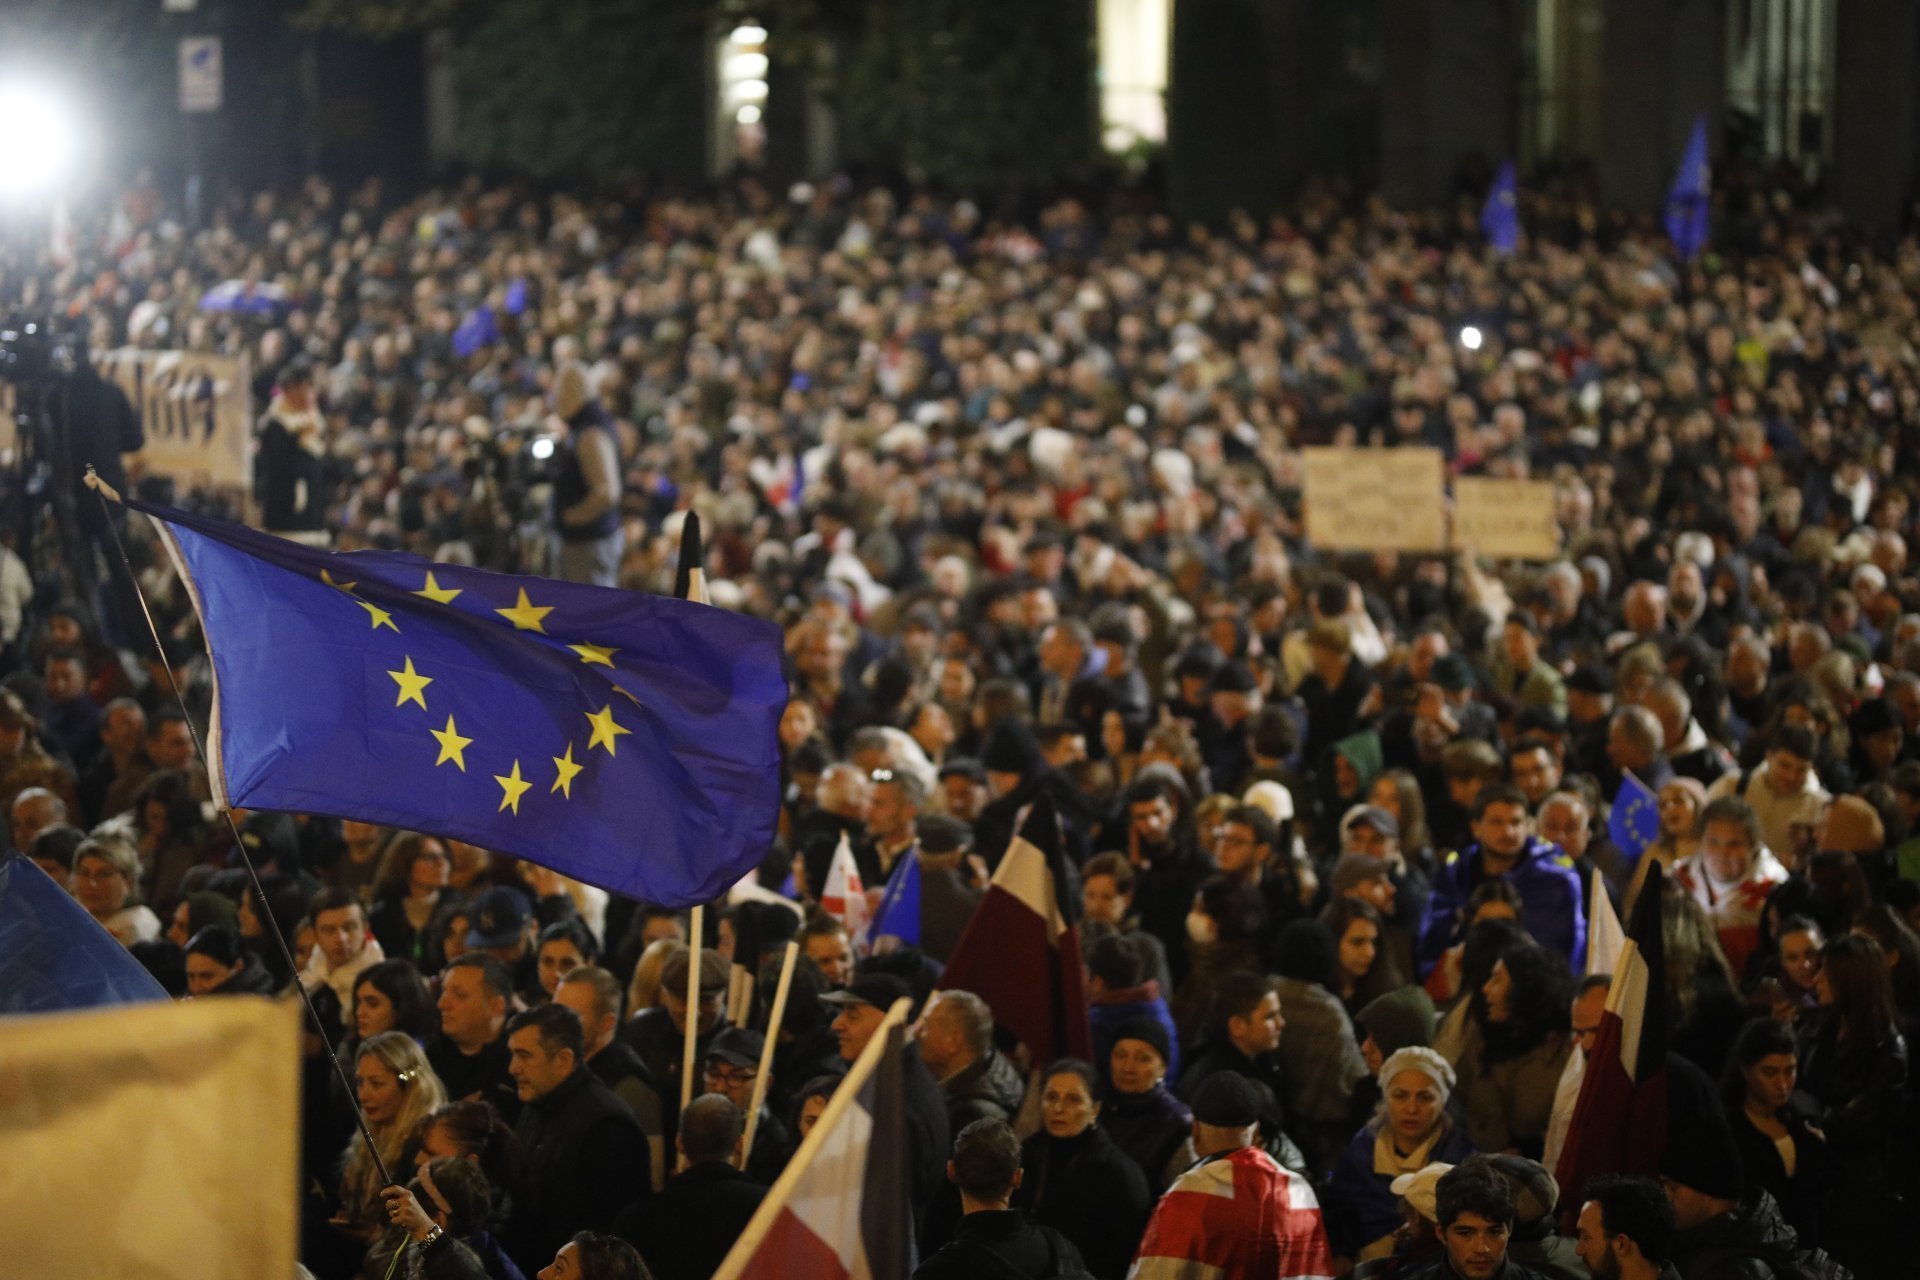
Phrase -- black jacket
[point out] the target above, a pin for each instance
(1798, 1196)
(1091, 1192)
(652, 1035)
(998, 1243)
(685, 1231)
(989, 1089)
(479, 1075)
(929, 1142)
(1442, 1269)
(1753, 1242)
(1149, 1127)
(583, 1160)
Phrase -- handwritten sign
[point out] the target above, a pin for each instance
(1506, 519)
(1375, 499)
(196, 410)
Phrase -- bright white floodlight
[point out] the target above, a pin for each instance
(39, 141)
(1470, 338)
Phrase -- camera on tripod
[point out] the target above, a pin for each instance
(32, 354)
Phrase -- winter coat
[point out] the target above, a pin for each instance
(583, 1160)
(685, 1231)
(1091, 1192)
(1798, 1196)
(1550, 894)
(989, 1088)
(991, 1241)
(1753, 1242)
(1151, 1127)
(1509, 1103)
(1360, 1204)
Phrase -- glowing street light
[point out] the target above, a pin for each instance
(1471, 338)
(40, 141)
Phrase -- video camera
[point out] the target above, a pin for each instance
(32, 354)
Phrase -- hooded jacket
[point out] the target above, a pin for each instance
(1549, 891)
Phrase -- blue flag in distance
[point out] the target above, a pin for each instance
(899, 914)
(1689, 198)
(1634, 822)
(1500, 216)
(55, 956)
(623, 739)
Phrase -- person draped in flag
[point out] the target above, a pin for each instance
(1732, 875)
(1237, 1214)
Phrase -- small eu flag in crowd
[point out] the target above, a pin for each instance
(1689, 197)
(1500, 217)
(623, 739)
(1635, 821)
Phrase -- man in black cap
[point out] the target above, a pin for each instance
(994, 1238)
(1237, 1214)
(502, 925)
(659, 1035)
(731, 1068)
(948, 893)
(685, 1231)
(1589, 708)
(963, 784)
(861, 1009)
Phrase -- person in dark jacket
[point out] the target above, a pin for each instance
(956, 1044)
(659, 1035)
(595, 995)
(1075, 1180)
(218, 963)
(1473, 1207)
(1780, 1151)
(685, 1231)
(584, 1155)
(1119, 990)
(443, 1217)
(1140, 1114)
(290, 470)
(862, 1007)
(1245, 1035)
(586, 488)
(1411, 1130)
(994, 1238)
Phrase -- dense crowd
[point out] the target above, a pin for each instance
(1022, 484)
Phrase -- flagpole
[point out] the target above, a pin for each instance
(782, 1189)
(690, 584)
(104, 491)
(766, 1050)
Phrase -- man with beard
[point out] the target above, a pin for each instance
(1626, 1230)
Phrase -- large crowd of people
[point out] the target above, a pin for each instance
(1023, 485)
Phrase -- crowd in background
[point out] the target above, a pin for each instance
(1022, 484)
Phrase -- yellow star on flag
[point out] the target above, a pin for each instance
(592, 653)
(337, 586)
(413, 685)
(525, 616)
(512, 786)
(452, 745)
(568, 771)
(605, 731)
(437, 593)
(381, 618)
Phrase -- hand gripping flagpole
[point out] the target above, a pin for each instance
(106, 492)
(766, 1049)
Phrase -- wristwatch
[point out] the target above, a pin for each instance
(433, 1237)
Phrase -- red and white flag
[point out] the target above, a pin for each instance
(1021, 951)
(1239, 1214)
(843, 896)
(1620, 1122)
(841, 1210)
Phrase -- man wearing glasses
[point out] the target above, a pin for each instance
(732, 1066)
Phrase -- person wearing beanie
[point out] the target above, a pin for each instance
(1237, 1214)
(1534, 1243)
(1390, 1022)
(1141, 1114)
(1409, 1131)
(1319, 1059)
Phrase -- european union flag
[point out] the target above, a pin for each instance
(899, 915)
(53, 955)
(1690, 195)
(1500, 216)
(626, 740)
(1635, 821)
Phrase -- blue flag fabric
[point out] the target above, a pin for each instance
(622, 739)
(55, 956)
(899, 914)
(475, 332)
(1500, 216)
(1635, 821)
(1688, 198)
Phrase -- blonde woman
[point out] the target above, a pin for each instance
(397, 1090)
(106, 881)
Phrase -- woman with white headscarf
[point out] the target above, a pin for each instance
(1410, 1131)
